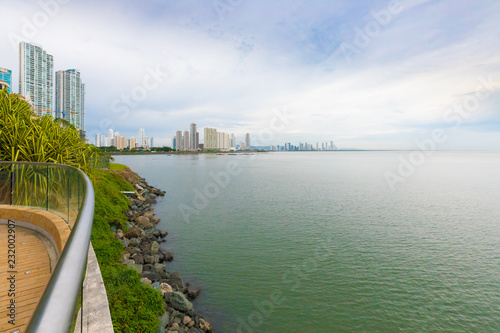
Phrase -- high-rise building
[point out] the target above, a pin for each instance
(174, 143)
(178, 141)
(186, 140)
(210, 138)
(247, 141)
(121, 142)
(192, 137)
(232, 141)
(36, 77)
(98, 140)
(70, 97)
(6, 79)
(141, 138)
(132, 142)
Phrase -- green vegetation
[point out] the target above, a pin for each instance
(27, 137)
(119, 167)
(24, 136)
(134, 306)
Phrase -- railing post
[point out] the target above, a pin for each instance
(47, 197)
(11, 184)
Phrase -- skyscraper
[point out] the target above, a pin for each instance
(70, 97)
(36, 77)
(132, 143)
(247, 141)
(141, 137)
(178, 141)
(6, 76)
(192, 136)
(210, 138)
(186, 140)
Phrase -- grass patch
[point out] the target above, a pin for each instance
(117, 166)
(134, 306)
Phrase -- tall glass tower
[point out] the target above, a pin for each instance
(6, 76)
(70, 97)
(36, 77)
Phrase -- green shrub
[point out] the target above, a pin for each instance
(134, 306)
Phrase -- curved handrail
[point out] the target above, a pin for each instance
(56, 308)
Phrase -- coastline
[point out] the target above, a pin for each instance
(142, 252)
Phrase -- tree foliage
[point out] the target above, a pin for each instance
(27, 137)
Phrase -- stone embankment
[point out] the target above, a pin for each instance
(143, 253)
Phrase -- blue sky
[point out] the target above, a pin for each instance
(366, 74)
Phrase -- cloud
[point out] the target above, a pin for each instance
(232, 73)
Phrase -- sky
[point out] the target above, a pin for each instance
(367, 74)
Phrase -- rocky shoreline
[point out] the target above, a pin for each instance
(142, 252)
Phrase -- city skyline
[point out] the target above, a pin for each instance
(369, 75)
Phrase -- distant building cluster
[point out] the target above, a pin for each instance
(325, 146)
(114, 139)
(37, 86)
(212, 140)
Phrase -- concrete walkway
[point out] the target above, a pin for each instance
(96, 315)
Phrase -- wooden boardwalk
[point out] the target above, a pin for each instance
(32, 268)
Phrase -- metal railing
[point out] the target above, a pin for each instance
(67, 192)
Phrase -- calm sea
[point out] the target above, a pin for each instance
(319, 242)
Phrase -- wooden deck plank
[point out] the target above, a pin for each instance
(32, 256)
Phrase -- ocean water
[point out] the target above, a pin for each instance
(319, 241)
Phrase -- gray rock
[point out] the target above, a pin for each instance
(133, 233)
(144, 222)
(149, 259)
(113, 229)
(163, 233)
(124, 242)
(153, 276)
(160, 268)
(163, 322)
(179, 302)
(175, 280)
(193, 293)
(138, 268)
(138, 259)
(134, 242)
(156, 285)
(155, 247)
(168, 256)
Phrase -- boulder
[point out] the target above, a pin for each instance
(155, 247)
(163, 322)
(205, 325)
(154, 220)
(133, 233)
(135, 242)
(168, 256)
(132, 250)
(179, 302)
(193, 293)
(149, 259)
(138, 259)
(153, 276)
(163, 233)
(119, 234)
(160, 268)
(145, 281)
(144, 222)
(165, 288)
(149, 214)
(176, 281)
(186, 320)
(138, 268)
